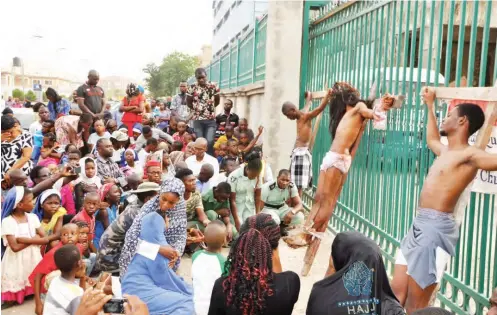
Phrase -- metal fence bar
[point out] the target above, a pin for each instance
(404, 45)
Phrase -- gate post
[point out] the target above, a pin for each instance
(282, 83)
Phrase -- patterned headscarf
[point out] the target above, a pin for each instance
(175, 234)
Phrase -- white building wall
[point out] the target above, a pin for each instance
(231, 18)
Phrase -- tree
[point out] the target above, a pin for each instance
(30, 96)
(16, 93)
(164, 79)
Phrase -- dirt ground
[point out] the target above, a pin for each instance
(291, 259)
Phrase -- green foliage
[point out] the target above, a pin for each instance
(16, 93)
(44, 96)
(164, 79)
(31, 96)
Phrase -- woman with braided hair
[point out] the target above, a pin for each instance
(265, 224)
(249, 286)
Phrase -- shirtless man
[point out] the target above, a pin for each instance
(301, 165)
(347, 117)
(432, 239)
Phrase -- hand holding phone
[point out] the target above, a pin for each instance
(115, 306)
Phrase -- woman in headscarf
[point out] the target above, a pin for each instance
(88, 181)
(129, 163)
(170, 203)
(50, 214)
(360, 283)
(179, 156)
(110, 195)
(151, 279)
(132, 105)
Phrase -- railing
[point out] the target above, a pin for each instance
(403, 45)
(244, 62)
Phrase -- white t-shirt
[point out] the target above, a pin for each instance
(94, 137)
(207, 267)
(34, 127)
(195, 165)
(63, 297)
(142, 158)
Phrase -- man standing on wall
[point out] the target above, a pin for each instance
(202, 98)
(301, 165)
(90, 97)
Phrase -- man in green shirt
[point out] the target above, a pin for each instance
(275, 195)
(216, 205)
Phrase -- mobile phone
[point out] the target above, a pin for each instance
(77, 170)
(115, 306)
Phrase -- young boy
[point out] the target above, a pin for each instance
(181, 133)
(150, 147)
(229, 134)
(91, 204)
(38, 278)
(220, 153)
(99, 133)
(64, 295)
(177, 146)
(232, 150)
(88, 258)
(208, 265)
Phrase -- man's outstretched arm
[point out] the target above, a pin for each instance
(432, 134)
(483, 160)
(316, 111)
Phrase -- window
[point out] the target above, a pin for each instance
(36, 81)
(48, 82)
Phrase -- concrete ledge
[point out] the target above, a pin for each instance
(246, 90)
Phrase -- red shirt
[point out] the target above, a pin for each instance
(83, 216)
(47, 265)
(129, 117)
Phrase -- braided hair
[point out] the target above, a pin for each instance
(343, 95)
(265, 224)
(249, 275)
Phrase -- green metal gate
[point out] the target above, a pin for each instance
(404, 45)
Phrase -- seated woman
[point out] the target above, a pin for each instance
(265, 224)
(249, 285)
(360, 283)
(171, 205)
(150, 278)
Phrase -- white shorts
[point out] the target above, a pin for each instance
(442, 258)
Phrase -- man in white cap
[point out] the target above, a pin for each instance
(112, 240)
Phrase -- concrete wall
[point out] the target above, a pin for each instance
(261, 102)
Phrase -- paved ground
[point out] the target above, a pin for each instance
(291, 259)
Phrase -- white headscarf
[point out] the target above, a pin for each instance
(19, 195)
(95, 180)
